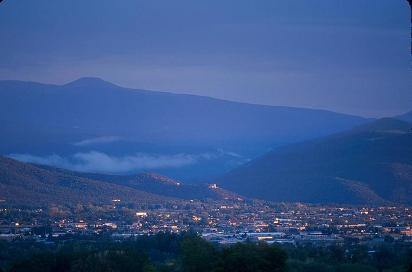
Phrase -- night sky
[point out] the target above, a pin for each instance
(349, 56)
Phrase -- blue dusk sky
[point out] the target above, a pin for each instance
(349, 56)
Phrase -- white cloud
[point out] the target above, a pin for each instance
(94, 161)
(99, 162)
(98, 140)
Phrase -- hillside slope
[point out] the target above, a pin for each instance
(38, 185)
(165, 186)
(369, 164)
(26, 184)
(156, 184)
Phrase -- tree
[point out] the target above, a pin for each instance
(383, 258)
(355, 268)
(37, 263)
(336, 254)
(253, 258)
(274, 257)
(198, 255)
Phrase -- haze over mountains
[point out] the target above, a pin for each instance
(371, 163)
(90, 125)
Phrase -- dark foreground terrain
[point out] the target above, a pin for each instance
(187, 252)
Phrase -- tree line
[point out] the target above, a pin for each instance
(187, 252)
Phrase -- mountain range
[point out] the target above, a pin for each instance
(371, 163)
(91, 140)
(91, 125)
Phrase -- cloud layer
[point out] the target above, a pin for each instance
(99, 162)
(98, 140)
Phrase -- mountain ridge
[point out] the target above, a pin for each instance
(26, 184)
(33, 185)
(93, 82)
(336, 168)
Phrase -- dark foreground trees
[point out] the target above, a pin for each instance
(190, 253)
(253, 257)
(93, 261)
(198, 255)
(159, 253)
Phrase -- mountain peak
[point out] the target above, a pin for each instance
(90, 82)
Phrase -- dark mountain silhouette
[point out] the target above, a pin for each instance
(37, 185)
(368, 164)
(156, 184)
(92, 114)
(27, 184)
